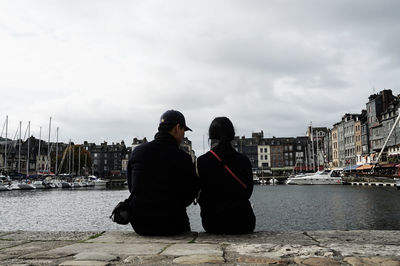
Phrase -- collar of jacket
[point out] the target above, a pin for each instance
(167, 138)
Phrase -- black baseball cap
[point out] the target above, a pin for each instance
(173, 117)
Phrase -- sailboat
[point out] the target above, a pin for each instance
(3, 178)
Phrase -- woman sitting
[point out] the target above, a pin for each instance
(226, 182)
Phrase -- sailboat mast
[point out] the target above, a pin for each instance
(48, 147)
(56, 153)
(318, 164)
(5, 148)
(40, 140)
(19, 148)
(73, 160)
(312, 146)
(27, 160)
(79, 161)
(69, 158)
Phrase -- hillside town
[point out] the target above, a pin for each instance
(354, 141)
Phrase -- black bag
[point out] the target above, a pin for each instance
(121, 212)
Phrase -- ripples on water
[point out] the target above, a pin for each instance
(277, 208)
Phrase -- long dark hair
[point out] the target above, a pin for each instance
(221, 129)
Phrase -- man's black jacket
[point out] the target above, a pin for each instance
(163, 181)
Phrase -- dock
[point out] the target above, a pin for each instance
(377, 184)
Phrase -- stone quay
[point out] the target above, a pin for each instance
(267, 248)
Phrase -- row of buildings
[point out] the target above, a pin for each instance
(103, 160)
(354, 140)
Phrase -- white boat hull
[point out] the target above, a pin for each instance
(77, 185)
(314, 181)
(14, 186)
(3, 187)
(38, 185)
(100, 183)
(26, 186)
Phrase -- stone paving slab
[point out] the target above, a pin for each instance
(199, 259)
(299, 238)
(84, 263)
(8, 243)
(132, 237)
(4, 233)
(371, 261)
(278, 251)
(193, 249)
(24, 250)
(357, 236)
(365, 250)
(147, 260)
(46, 236)
(105, 248)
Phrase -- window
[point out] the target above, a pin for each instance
(261, 157)
(265, 150)
(261, 149)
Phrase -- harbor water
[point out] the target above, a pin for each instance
(277, 208)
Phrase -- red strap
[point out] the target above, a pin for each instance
(229, 170)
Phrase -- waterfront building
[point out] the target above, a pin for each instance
(349, 140)
(365, 138)
(277, 160)
(318, 154)
(136, 142)
(335, 145)
(125, 159)
(264, 154)
(345, 138)
(248, 147)
(328, 149)
(301, 160)
(107, 159)
(17, 156)
(358, 142)
(276, 155)
(388, 118)
(376, 105)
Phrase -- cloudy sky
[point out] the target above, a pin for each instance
(106, 70)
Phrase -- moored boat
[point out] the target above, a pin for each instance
(327, 177)
(24, 185)
(38, 184)
(98, 182)
(65, 184)
(3, 187)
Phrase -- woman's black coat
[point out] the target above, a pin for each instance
(224, 202)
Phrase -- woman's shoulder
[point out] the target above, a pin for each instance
(204, 157)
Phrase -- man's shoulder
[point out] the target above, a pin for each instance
(142, 149)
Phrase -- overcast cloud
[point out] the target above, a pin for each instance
(106, 70)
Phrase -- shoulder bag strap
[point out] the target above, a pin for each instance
(229, 170)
